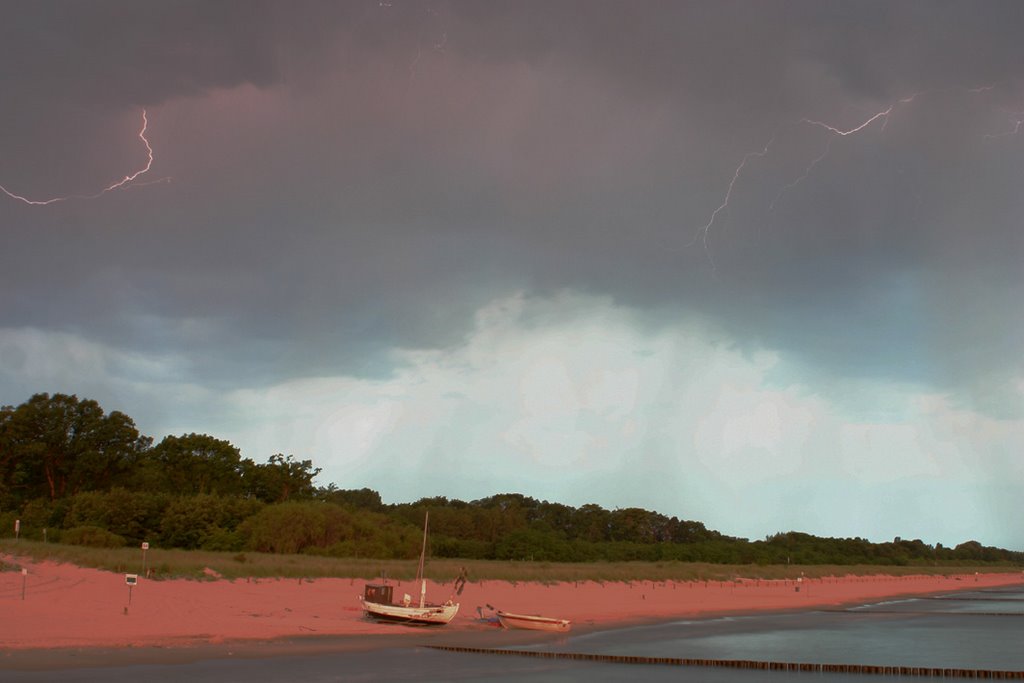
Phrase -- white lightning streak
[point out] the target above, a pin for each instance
(844, 133)
(1018, 119)
(725, 202)
(703, 232)
(124, 182)
(807, 172)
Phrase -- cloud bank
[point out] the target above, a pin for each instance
(576, 399)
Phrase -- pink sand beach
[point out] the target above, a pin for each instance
(61, 606)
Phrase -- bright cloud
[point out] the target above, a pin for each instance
(577, 399)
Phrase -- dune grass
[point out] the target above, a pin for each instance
(194, 564)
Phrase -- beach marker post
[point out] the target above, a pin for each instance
(145, 547)
(131, 580)
(24, 576)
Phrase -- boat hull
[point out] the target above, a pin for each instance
(534, 622)
(428, 615)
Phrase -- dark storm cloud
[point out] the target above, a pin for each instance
(736, 51)
(132, 53)
(142, 53)
(411, 160)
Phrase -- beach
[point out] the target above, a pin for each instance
(64, 615)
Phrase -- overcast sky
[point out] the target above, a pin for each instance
(757, 264)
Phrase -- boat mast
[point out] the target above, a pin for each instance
(419, 570)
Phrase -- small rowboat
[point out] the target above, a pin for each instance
(533, 622)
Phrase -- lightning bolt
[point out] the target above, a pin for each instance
(807, 172)
(435, 22)
(1018, 119)
(124, 182)
(703, 233)
(836, 131)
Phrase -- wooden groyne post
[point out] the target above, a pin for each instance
(811, 667)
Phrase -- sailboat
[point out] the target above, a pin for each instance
(377, 601)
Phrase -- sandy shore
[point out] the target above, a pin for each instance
(82, 616)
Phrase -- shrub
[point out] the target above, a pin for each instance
(530, 545)
(193, 521)
(92, 536)
(7, 523)
(132, 514)
(293, 527)
(326, 529)
(218, 539)
(40, 514)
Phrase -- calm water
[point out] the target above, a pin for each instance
(982, 630)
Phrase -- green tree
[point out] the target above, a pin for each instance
(12, 469)
(194, 464)
(591, 523)
(635, 525)
(281, 479)
(56, 446)
(364, 498)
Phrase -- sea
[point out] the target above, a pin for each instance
(979, 630)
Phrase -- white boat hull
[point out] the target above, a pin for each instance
(428, 615)
(533, 622)
(407, 613)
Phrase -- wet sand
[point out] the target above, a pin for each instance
(77, 617)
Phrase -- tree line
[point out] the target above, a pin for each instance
(71, 472)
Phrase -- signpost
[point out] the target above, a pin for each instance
(24, 575)
(131, 580)
(17, 528)
(145, 547)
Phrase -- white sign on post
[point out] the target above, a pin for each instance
(131, 580)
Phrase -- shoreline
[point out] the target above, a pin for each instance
(74, 617)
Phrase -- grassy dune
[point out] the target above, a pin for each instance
(192, 563)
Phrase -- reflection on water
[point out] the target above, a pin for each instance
(956, 641)
(978, 630)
